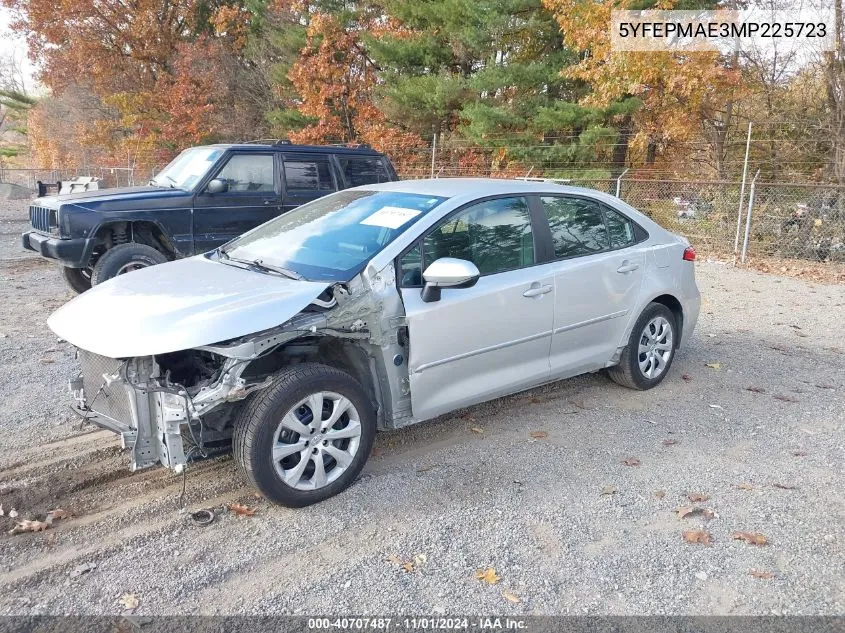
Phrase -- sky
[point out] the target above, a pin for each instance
(12, 44)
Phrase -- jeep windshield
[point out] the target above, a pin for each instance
(188, 168)
(332, 238)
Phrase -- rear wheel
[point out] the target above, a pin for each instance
(307, 437)
(124, 259)
(79, 279)
(650, 350)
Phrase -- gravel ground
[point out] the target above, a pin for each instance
(771, 462)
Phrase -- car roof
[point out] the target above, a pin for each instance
(306, 149)
(474, 187)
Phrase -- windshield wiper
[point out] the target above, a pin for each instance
(260, 266)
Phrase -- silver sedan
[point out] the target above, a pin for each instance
(376, 307)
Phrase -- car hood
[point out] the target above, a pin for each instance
(85, 198)
(179, 305)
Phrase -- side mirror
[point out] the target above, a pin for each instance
(216, 186)
(448, 272)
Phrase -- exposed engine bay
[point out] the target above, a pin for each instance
(178, 406)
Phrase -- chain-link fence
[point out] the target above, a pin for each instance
(803, 221)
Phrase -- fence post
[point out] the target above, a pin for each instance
(742, 189)
(748, 216)
(619, 182)
(433, 150)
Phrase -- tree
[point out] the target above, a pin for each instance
(679, 93)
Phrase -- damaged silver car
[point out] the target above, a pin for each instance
(375, 308)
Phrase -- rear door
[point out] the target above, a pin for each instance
(598, 273)
(488, 340)
(306, 177)
(252, 198)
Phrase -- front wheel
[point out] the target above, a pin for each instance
(79, 279)
(651, 348)
(123, 259)
(307, 437)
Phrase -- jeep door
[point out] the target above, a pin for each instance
(251, 197)
(478, 343)
(306, 177)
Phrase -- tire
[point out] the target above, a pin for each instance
(635, 370)
(125, 258)
(259, 430)
(79, 279)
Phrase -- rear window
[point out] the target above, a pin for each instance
(363, 171)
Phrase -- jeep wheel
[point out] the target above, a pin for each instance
(79, 279)
(124, 259)
(307, 437)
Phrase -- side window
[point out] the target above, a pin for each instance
(248, 173)
(621, 229)
(411, 268)
(309, 175)
(495, 235)
(577, 226)
(363, 171)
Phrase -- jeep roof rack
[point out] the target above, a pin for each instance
(268, 141)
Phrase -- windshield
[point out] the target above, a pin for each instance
(332, 238)
(188, 168)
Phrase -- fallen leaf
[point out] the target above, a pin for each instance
(56, 515)
(669, 442)
(257, 495)
(755, 389)
(698, 536)
(488, 575)
(419, 559)
(799, 453)
(785, 486)
(538, 435)
(762, 575)
(408, 567)
(745, 486)
(511, 597)
(82, 569)
(784, 398)
(659, 494)
(424, 469)
(631, 461)
(29, 526)
(537, 400)
(13, 513)
(685, 511)
(713, 365)
(46, 361)
(686, 377)
(393, 558)
(697, 497)
(242, 510)
(608, 490)
(752, 538)
(476, 429)
(129, 601)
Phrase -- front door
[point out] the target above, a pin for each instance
(482, 342)
(251, 198)
(598, 274)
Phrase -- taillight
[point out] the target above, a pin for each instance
(689, 254)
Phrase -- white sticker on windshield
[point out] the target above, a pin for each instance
(390, 217)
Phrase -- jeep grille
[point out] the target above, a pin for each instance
(42, 219)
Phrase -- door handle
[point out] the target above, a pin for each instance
(537, 290)
(627, 267)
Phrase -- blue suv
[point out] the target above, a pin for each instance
(207, 196)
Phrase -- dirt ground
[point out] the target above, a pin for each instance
(535, 486)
